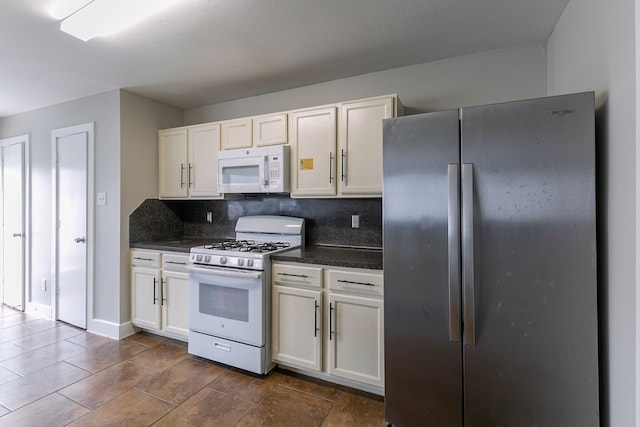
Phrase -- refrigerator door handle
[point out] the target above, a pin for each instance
(467, 255)
(453, 226)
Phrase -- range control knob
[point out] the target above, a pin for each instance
(223, 260)
(240, 262)
(207, 258)
(198, 258)
(249, 263)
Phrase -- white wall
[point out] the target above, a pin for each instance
(593, 48)
(126, 139)
(38, 124)
(140, 119)
(504, 75)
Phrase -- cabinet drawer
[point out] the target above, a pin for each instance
(145, 258)
(354, 281)
(297, 275)
(175, 262)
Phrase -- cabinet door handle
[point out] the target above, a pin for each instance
(154, 291)
(292, 275)
(330, 321)
(189, 176)
(356, 283)
(330, 167)
(17, 234)
(342, 174)
(315, 318)
(142, 259)
(181, 175)
(162, 285)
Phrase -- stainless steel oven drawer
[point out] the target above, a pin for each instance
(232, 353)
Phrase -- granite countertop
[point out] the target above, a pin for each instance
(325, 255)
(334, 255)
(178, 245)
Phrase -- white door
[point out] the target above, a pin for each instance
(13, 206)
(71, 154)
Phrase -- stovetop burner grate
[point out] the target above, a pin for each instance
(247, 246)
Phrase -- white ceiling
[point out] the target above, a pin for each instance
(208, 51)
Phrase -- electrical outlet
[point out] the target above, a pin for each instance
(209, 217)
(355, 221)
(102, 199)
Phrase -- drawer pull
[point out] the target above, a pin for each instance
(304, 276)
(355, 283)
(142, 259)
(220, 346)
(174, 262)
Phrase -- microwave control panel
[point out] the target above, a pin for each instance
(275, 174)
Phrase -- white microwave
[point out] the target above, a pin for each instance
(254, 170)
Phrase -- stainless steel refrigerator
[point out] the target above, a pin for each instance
(490, 266)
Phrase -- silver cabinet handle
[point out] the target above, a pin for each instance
(162, 297)
(79, 240)
(169, 262)
(181, 175)
(17, 234)
(142, 259)
(355, 283)
(189, 176)
(330, 167)
(292, 275)
(454, 253)
(315, 318)
(342, 174)
(154, 291)
(467, 255)
(330, 321)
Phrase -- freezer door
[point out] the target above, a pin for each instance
(535, 357)
(423, 384)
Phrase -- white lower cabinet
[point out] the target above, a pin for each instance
(297, 337)
(356, 339)
(160, 293)
(328, 322)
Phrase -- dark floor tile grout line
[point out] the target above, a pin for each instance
(312, 394)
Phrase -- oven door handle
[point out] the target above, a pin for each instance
(227, 273)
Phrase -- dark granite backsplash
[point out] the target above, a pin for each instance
(327, 221)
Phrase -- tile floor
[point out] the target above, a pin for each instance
(52, 374)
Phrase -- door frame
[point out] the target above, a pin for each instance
(26, 194)
(89, 129)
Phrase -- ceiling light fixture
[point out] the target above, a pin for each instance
(86, 19)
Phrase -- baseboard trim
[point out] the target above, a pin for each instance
(38, 310)
(113, 330)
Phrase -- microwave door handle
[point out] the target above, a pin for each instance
(266, 171)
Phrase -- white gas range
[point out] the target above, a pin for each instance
(230, 292)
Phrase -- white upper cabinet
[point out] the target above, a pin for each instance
(340, 157)
(188, 165)
(173, 163)
(204, 144)
(270, 129)
(313, 145)
(360, 145)
(237, 134)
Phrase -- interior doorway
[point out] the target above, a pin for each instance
(14, 215)
(73, 180)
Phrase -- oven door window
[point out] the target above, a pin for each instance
(224, 302)
(228, 304)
